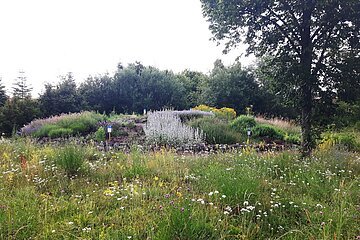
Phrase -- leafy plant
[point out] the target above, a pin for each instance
(288, 126)
(100, 134)
(344, 139)
(44, 130)
(216, 130)
(79, 123)
(226, 113)
(268, 131)
(242, 123)
(186, 115)
(60, 132)
(292, 138)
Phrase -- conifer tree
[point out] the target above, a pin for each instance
(21, 89)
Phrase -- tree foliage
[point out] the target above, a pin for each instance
(16, 113)
(193, 84)
(3, 95)
(232, 87)
(98, 93)
(62, 98)
(138, 87)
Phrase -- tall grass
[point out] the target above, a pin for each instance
(162, 195)
(71, 159)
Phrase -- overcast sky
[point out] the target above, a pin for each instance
(48, 38)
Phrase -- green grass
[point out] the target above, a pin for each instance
(162, 195)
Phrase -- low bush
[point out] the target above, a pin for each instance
(242, 123)
(288, 126)
(165, 127)
(60, 132)
(228, 113)
(225, 113)
(44, 130)
(345, 140)
(187, 115)
(216, 130)
(269, 132)
(81, 127)
(100, 134)
(79, 123)
(292, 138)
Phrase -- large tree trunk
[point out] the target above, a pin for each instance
(306, 80)
(306, 116)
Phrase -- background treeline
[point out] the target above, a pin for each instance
(136, 87)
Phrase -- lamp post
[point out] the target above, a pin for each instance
(248, 135)
(108, 130)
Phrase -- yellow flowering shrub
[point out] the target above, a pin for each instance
(204, 108)
(225, 112)
(228, 112)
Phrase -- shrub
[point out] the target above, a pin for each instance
(242, 123)
(79, 127)
(268, 131)
(79, 123)
(70, 159)
(60, 132)
(118, 127)
(226, 113)
(100, 134)
(216, 130)
(186, 115)
(165, 127)
(286, 125)
(44, 131)
(83, 122)
(203, 108)
(292, 138)
(345, 139)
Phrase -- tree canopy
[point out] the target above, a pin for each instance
(231, 86)
(3, 96)
(310, 36)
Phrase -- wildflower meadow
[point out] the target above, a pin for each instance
(75, 191)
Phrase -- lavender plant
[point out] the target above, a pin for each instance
(165, 127)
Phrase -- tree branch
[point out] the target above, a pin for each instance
(288, 7)
(283, 22)
(322, 55)
(283, 32)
